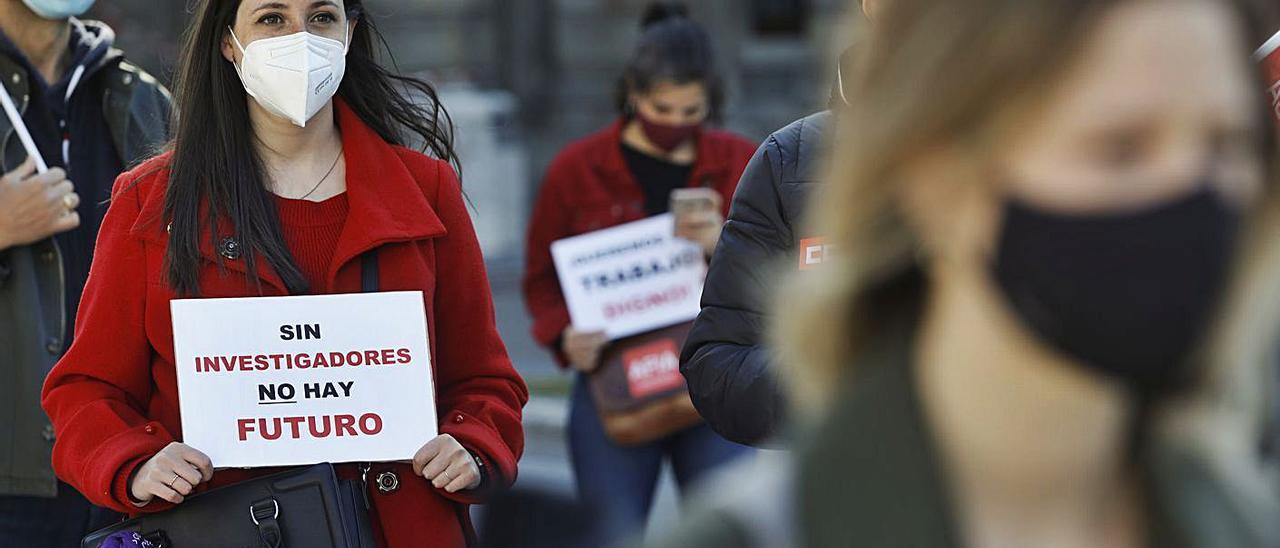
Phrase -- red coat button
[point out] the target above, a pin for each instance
(150, 429)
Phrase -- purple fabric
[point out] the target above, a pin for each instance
(126, 539)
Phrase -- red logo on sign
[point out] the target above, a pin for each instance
(812, 252)
(653, 368)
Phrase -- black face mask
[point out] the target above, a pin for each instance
(1127, 294)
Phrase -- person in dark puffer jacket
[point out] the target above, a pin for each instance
(728, 367)
(725, 362)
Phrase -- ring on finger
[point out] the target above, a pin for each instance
(69, 201)
(174, 480)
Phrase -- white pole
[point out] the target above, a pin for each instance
(1268, 48)
(15, 118)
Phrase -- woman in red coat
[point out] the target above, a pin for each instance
(278, 182)
(625, 173)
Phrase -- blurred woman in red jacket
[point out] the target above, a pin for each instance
(275, 187)
(625, 173)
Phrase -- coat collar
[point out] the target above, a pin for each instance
(876, 442)
(710, 166)
(386, 204)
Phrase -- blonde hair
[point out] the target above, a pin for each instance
(952, 72)
(931, 72)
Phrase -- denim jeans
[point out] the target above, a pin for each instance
(50, 523)
(619, 482)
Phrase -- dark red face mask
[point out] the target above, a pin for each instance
(667, 137)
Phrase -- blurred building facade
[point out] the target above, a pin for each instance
(525, 77)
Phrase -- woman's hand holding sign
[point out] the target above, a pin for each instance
(171, 475)
(583, 348)
(447, 465)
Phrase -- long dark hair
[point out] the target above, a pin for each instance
(672, 48)
(216, 172)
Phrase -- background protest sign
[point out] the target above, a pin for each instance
(631, 278)
(1269, 56)
(274, 381)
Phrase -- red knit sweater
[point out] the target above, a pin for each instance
(311, 231)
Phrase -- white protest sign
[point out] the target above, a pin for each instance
(275, 381)
(631, 278)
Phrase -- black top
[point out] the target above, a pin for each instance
(657, 178)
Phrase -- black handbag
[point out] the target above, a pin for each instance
(301, 508)
(307, 507)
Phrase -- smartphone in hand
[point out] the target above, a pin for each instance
(694, 201)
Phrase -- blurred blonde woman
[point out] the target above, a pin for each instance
(1045, 314)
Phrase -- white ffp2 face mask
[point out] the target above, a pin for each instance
(292, 76)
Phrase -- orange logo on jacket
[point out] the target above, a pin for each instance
(813, 251)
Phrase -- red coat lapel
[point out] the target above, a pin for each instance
(386, 204)
(152, 226)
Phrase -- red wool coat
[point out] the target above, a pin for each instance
(589, 187)
(113, 398)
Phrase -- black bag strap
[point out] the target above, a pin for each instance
(369, 271)
(368, 284)
(265, 514)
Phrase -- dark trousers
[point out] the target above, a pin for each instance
(619, 482)
(50, 522)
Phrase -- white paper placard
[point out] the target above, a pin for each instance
(275, 381)
(631, 278)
